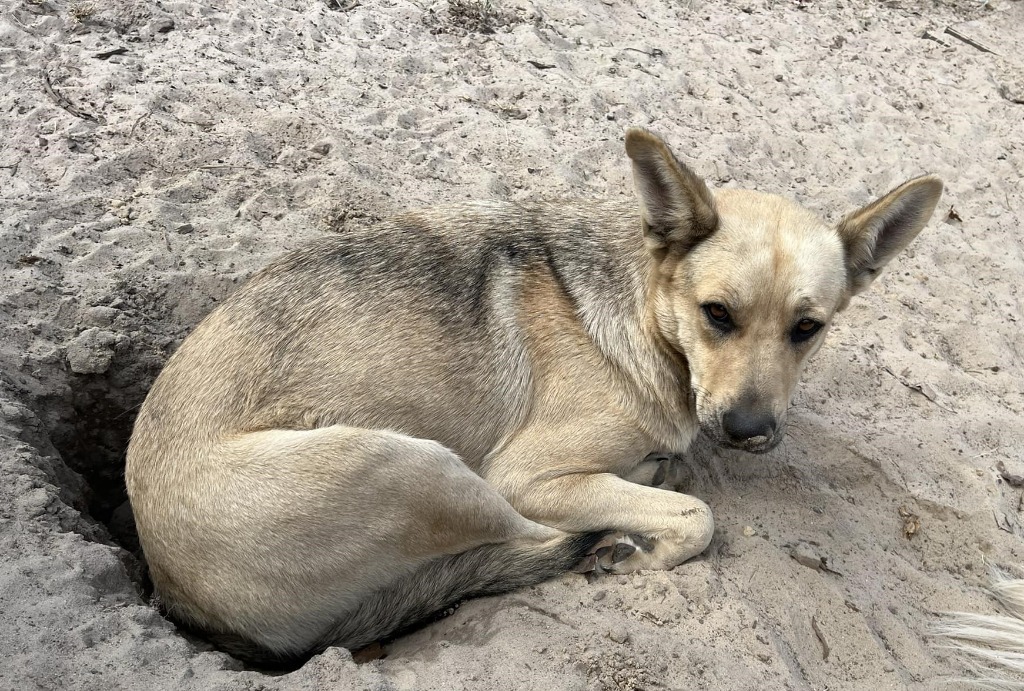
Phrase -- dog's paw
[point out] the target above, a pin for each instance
(661, 470)
(617, 553)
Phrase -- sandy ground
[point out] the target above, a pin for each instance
(155, 154)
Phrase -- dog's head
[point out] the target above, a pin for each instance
(746, 284)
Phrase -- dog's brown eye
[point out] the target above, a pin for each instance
(804, 330)
(718, 315)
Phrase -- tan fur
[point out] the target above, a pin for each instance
(480, 377)
(991, 645)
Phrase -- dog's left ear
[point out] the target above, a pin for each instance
(875, 234)
(677, 206)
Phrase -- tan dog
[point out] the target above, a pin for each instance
(389, 420)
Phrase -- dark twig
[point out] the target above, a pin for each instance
(342, 6)
(120, 50)
(919, 388)
(969, 41)
(64, 103)
(825, 650)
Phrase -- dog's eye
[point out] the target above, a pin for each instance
(718, 315)
(805, 330)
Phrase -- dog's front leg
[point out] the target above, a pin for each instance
(665, 527)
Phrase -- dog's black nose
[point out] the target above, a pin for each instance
(743, 425)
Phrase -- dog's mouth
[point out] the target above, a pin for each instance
(758, 444)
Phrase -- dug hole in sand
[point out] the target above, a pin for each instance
(155, 154)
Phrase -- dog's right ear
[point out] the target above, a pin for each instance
(677, 207)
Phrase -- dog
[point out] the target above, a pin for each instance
(463, 400)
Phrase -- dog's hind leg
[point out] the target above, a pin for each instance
(297, 539)
(659, 469)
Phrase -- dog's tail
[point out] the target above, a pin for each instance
(441, 583)
(993, 645)
(446, 581)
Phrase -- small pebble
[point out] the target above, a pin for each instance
(161, 26)
(619, 635)
(749, 531)
(92, 351)
(100, 316)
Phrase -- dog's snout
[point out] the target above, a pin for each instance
(746, 425)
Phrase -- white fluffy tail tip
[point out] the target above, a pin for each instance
(992, 645)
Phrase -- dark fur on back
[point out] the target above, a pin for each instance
(449, 274)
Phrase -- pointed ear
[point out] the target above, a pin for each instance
(875, 234)
(677, 206)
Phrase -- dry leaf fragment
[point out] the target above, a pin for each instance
(911, 522)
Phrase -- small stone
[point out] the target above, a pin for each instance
(748, 531)
(322, 149)
(619, 635)
(116, 203)
(92, 351)
(161, 26)
(805, 555)
(100, 316)
(600, 595)
(184, 228)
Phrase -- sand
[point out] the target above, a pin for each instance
(155, 154)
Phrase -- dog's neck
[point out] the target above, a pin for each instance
(622, 326)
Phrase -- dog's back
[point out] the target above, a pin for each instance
(410, 325)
